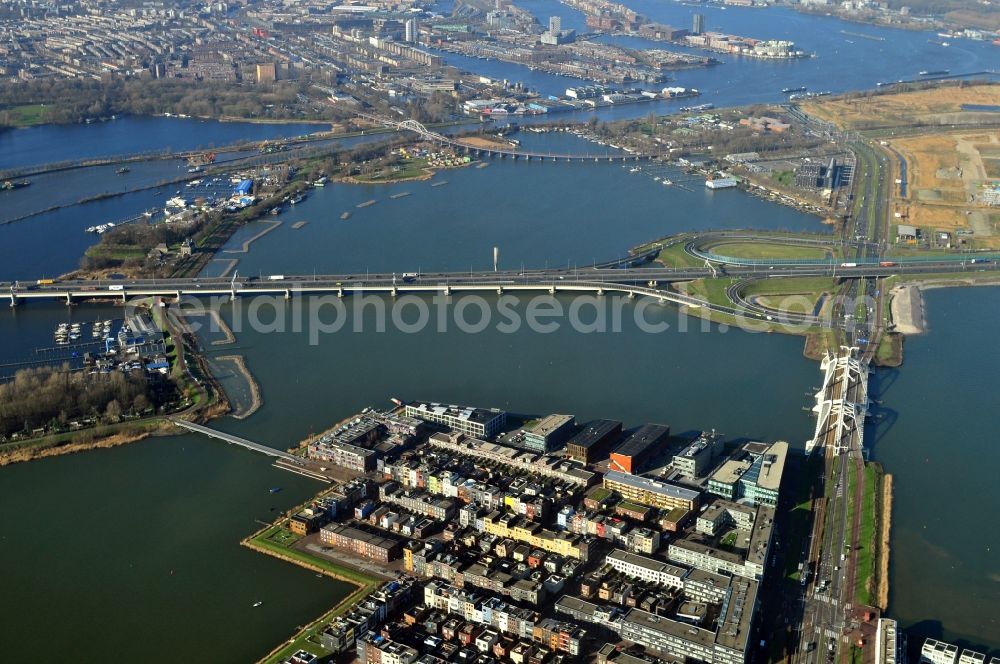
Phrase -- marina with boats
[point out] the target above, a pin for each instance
(69, 333)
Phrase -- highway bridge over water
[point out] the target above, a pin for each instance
(631, 280)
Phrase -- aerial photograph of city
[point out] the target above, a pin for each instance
(500, 331)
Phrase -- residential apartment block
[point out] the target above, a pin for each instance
(651, 492)
(366, 543)
(478, 422)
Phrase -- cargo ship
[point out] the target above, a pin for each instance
(788, 91)
(935, 72)
(10, 184)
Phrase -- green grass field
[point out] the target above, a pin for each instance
(711, 290)
(598, 494)
(675, 256)
(768, 250)
(866, 555)
(409, 168)
(849, 493)
(635, 507)
(115, 251)
(26, 116)
(808, 286)
(283, 537)
(714, 292)
(786, 178)
(277, 539)
(796, 294)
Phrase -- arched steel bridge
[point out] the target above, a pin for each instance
(428, 135)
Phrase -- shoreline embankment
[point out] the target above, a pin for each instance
(885, 527)
(908, 309)
(256, 401)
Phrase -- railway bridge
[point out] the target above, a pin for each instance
(500, 151)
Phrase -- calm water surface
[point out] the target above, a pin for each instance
(939, 442)
(165, 516)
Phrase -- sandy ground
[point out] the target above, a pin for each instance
(882, 596)
(908, 309)
(485, 142)
(240, 366)
(227, 334)
(946, 173)
(923, 106)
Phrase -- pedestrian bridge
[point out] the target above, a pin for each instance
(236, 440)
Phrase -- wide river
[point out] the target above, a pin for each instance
(145, 538)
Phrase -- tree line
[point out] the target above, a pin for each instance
(51, 397)
(69, 100)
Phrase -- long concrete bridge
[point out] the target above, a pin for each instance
(634, 281)
(499, 151)
(236, 440)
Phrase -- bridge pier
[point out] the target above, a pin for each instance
(13, 300)
(552, 290)
(340, 292)
(394, 292)
(447, 290)
(69, 299)
(500, 290)
(288, 294)
(631, 295)
(652, 284)
(177, 295)
(600, 291)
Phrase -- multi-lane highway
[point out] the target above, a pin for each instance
(859, 308)
(356, 282)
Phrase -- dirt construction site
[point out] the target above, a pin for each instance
(937, 106)
(947, 176)
(944, 145)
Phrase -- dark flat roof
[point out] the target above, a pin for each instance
(644, 438)
(595, 433)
